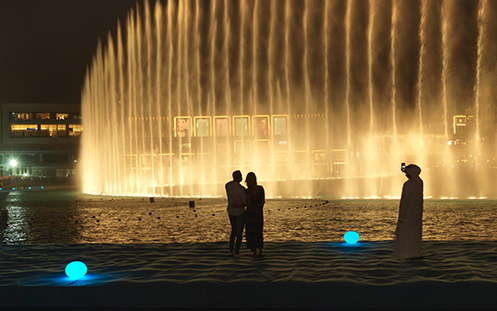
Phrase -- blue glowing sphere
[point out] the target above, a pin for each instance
(76, 270)
(351, 237)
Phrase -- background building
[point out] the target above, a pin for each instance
(39, 144)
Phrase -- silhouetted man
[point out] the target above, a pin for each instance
(236, 211)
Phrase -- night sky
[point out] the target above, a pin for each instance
(46, 46)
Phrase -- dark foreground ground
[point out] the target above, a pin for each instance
(455, 275)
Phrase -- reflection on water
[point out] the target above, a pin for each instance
(39, 217)
(68, 217)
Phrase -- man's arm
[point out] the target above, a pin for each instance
(241, 200)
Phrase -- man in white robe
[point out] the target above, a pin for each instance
(408, 234)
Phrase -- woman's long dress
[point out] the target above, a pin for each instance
(254, 219)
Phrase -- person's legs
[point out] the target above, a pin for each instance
(233, 232)
(240, 222)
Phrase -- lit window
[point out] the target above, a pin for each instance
(75, 129)
(62, 116)
(279, 125)
(242, 150)
(23, 130)
(202, 126)
(21, 116)
(61, 130)
(43, 116)
(241, 126)
(222, 126)
(48, 130)
(260, 126)
(182, 126)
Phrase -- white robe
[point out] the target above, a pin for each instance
(410, 223)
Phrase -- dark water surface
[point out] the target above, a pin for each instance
(59, 217)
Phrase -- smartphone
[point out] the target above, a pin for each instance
(403, 167)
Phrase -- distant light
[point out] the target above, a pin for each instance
(13, 163)
(351, 237)
(0, 188)
(41, 187)
(75, 270)
(29, 188)
(13, 188)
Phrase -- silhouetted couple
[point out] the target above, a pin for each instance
(245, 210)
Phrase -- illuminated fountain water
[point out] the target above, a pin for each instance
(315, 97)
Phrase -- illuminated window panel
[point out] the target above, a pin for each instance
(48, 130)
(75, 129)
(260, 126)
(280, 125)
(23, 130)
(319, 156)
(61, 130)
(222, 126)
(182, 127)
(61, 116)
(262, 149)
(242, 151)
(339, 156)
(280, 145)
(21, 116)
(186, 148)
(241, 125)
(43, 115)
(319, 163)
(202, 126)
(146, 161)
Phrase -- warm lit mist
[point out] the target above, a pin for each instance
(315, 97)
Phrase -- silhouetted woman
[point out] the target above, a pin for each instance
(254, 219)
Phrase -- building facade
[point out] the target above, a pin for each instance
(39, 143)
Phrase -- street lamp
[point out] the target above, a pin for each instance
(13, 163)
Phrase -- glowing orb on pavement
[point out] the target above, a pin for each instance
(76, 270)
(351, 237)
